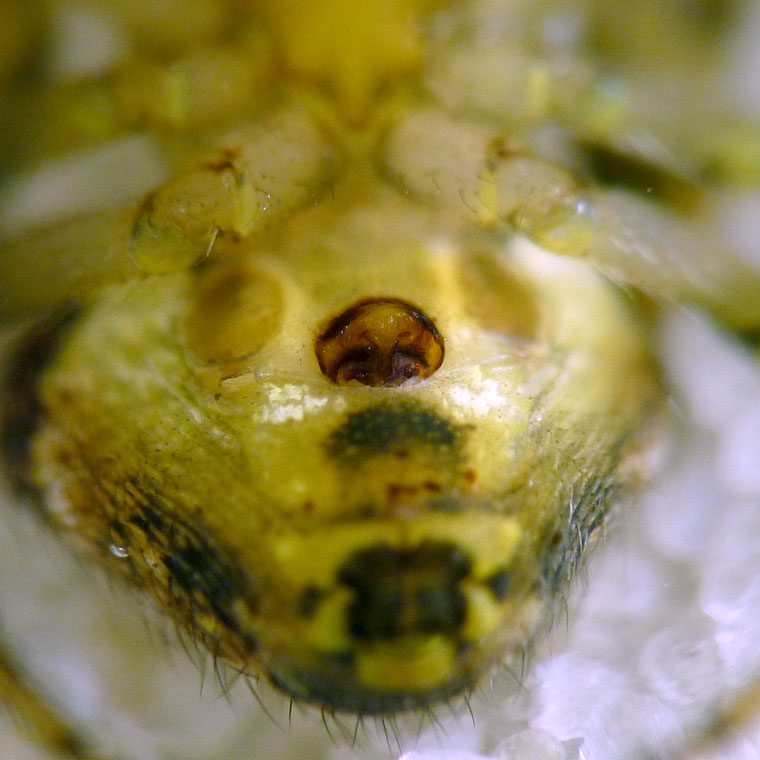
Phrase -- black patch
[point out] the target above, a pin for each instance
(401, 591)
(335, 687)
(197, 571)
(208, 576)
(498, 583)
(384, 428)
(22, 410)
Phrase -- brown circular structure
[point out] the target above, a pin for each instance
(379, 342)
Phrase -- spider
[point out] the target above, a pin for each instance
(332, 331)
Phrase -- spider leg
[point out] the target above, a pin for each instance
(500, 183)
(257, 177)
(36, 715)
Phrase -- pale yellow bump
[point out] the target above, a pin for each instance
(207, 622)
(355, 47)
(487, 194)
(569, 231)
(175, 87)
(245, 212)
(313, 558)
(445, 271)
(604, 111)
(490, 540)
(326, 631)
(484, 613)
(243, 613)
(539, 90)
(406, 664)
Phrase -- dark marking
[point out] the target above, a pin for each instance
(197, 570)
(398, 491)
(381, 428)
(22, 409)
(340, 659)
(142, 215)
(140, 522)
(401, 591)
(498, 583)
(207, 576)
(225, 161)
(152, 516)
(636, 173)
(334, 687)
(309, 601)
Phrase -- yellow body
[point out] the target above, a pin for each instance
(508, 452)
(367, 546)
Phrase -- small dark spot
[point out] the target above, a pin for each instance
(500, 148)
(432, 486)
(470, 477)
(309, 601)
(225, 161)
(152, 516)
(498, 583)
(140, 522)
(340, 659)
(397, 491)
(145, 208)
(250, 640)
(71, 744)
(446, 504)
(382, 428)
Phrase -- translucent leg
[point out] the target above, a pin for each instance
(257, 177)
(204, 89)
(501, 184)
(40, 720)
